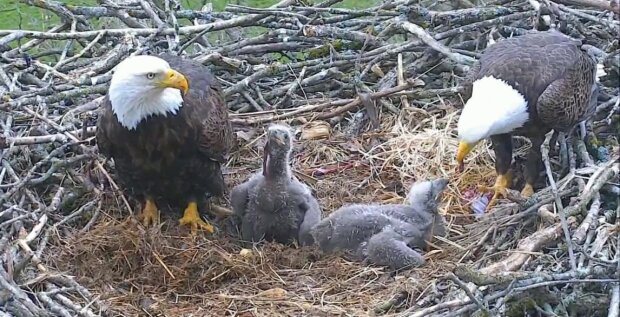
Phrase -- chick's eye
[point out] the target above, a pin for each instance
(150, 75)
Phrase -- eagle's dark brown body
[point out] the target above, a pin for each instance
(176, 158)
(550, 69)
(556, 78)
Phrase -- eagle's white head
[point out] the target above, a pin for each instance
(143, 86)
(494, 108)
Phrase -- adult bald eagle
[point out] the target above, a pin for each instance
(525, 85)
(165, 124)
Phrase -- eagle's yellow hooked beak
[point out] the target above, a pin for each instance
(174, 79)
(464, 149)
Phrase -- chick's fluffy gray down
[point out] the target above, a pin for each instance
(385, 234)
(275, 212)
(275, 206)
(391, 248)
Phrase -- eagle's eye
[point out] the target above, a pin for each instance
(150, 75)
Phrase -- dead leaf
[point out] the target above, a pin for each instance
(316, 130)
(246, 253)
(245, 136)
(377, 70)
(273, 294)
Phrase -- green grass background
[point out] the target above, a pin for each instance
(16, 15)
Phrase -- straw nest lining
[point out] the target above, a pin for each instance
(66, 244)
(141, 269)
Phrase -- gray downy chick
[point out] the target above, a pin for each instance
(365, 229)
(349, 228)
(391, 247)
(422, 208)
(273, 204)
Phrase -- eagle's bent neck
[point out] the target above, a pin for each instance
(494, 108)
(131, 106)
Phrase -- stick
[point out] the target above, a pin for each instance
(350, 105)
(580, 234)
(603, 5)
(558, 202)
(614, 303)
(467, 291)
(186, 30)
(430, 41)
(524, 250)
(596, 182)
(401, 80)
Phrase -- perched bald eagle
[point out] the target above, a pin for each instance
(165, 124)
(525, 85)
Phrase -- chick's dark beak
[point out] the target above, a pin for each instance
(280, 139)
(277, 137)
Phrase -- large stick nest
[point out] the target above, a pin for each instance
(374, 95)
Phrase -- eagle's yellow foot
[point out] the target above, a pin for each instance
(150, 213)
(192, 218)
(527, 191)
(499, 189)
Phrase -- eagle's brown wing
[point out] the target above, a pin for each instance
(568, 99)
(106, 119)
(529, 62)
(208, 110)
(217, 136)
(533, 62)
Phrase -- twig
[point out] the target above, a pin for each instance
(439, 307)
(215, 26)
(593, 3)
(350, 104)
(580, 234)
(596, 182)
(525, 247)
(558, 202)
(467, 291)
(32, 140)
(400, 80)
(430, 41)
(29, 307)
(614, 303)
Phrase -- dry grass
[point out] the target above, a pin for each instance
(166, 273)
(170, 273)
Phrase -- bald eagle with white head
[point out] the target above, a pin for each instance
(165, 123)
(525, 85)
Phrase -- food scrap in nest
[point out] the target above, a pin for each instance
(478, 201)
